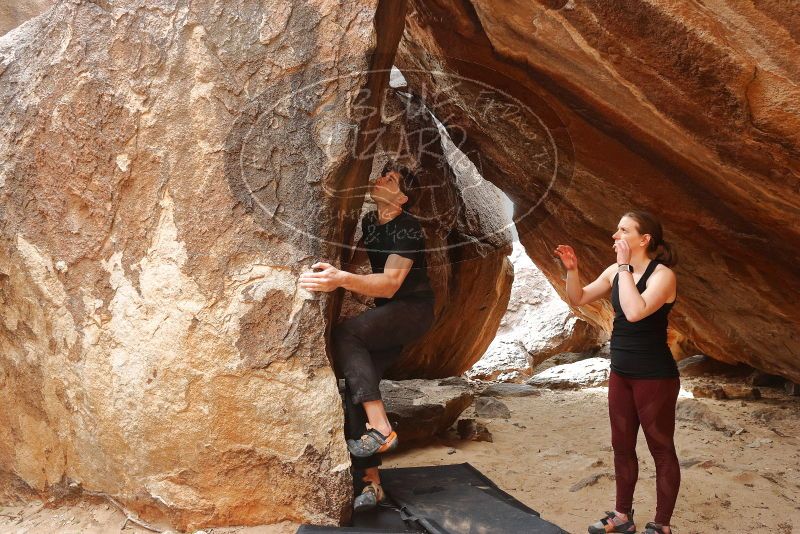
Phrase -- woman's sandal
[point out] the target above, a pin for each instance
(370, 496)
(611, 520)
(654, 528)
(372, 442)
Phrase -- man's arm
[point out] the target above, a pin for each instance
(383, 285)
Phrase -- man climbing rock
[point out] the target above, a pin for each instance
(365, 346)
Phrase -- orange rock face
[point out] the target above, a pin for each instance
(162, 178)
(692, 114)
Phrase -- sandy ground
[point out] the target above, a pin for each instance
(98, 518)
(748, 482)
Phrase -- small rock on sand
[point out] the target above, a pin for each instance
(491, 408)
(590, 481)
(592, 372)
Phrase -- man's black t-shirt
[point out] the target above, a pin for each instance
(403, 236)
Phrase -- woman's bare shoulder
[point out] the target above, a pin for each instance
(663, 270)
(663, 275)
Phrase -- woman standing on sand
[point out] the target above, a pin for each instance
(644, 382)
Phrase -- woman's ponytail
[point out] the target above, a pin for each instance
(666, 254)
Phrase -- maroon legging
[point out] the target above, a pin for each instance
(651, 403)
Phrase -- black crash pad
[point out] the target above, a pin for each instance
(446, 499)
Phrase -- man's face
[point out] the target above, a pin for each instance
(386, 189)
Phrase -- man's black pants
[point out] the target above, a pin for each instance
(365, 346)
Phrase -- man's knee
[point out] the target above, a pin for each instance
(343, 336)
(350, 328)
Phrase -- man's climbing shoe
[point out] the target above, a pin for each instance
(372, 442)
(653, 528)
(613, 523)
(369, 498)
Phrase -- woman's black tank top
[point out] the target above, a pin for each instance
(640, 350)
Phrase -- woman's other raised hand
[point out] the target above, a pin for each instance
(567, 256)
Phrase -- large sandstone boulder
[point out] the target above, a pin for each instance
(669, 106)
(164, 180)
(167, 174)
